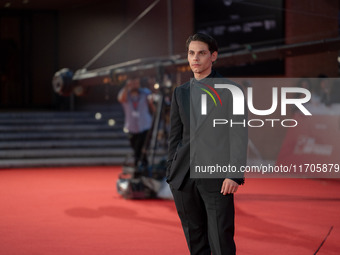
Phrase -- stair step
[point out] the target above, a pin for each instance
(49, 162)
(57, 153)
(43, 139)
(67, 152)
(68, 127)
(61, 135)
(64, 144)
(59, 121)
(53, 115)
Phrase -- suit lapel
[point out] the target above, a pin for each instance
(186, 100)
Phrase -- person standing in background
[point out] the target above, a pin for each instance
(138, 109)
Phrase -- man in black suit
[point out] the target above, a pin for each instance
(205, 205)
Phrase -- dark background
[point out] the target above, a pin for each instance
(38, 38)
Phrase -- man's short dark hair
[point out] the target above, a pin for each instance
(212, 44)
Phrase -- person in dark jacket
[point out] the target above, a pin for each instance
(205, 205)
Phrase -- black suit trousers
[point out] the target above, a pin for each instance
(207, 218)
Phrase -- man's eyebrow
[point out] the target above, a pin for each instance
(198, 51)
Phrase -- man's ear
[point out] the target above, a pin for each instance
(214, 56)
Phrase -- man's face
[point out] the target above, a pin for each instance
(133, 84)
(200, 59)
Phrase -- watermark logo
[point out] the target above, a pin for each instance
(204, 98)
(281, 95)
(239, 100)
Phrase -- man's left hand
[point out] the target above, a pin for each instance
(229, 186)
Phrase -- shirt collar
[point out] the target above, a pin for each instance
(204, 80)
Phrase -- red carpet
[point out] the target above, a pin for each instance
(77, 211)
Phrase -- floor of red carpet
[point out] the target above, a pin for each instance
(77, 211)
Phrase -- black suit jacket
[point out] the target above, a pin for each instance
(178, 162)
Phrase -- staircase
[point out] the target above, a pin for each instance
(40, 139)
